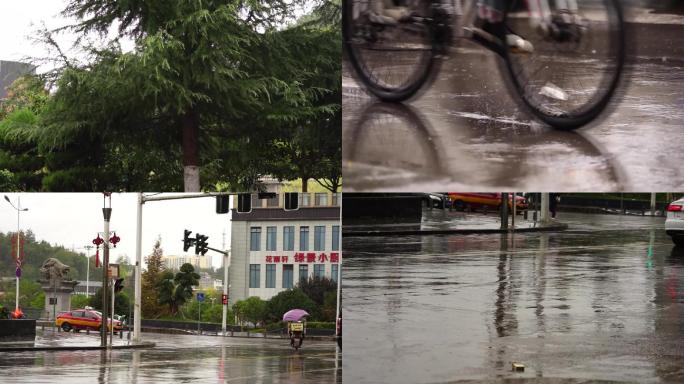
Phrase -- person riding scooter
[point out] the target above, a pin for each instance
(296, 329)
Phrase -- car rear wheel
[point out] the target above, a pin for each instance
(66, 327)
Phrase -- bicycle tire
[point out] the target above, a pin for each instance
(595, 105)
(415, 80)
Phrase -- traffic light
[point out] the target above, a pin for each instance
(224, 299)
(222, 204)
(187, 241)
(118, 285)
(201, 244)
(291, 201)
(244, 202)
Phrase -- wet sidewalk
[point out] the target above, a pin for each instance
(49, 339)
(437, 221)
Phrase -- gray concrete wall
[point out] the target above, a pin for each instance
(12, 330)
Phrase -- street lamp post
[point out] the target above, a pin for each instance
(88, 248)
(19, 210)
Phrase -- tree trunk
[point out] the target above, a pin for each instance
(191, 181)
(305, 184)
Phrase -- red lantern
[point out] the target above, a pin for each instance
(114, 239)
(97, 241)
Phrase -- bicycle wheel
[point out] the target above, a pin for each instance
(393, 60)
(576, 62)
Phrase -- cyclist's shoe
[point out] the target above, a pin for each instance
(484, 30)
(562, 27)
(517, 44)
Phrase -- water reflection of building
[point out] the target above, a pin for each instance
(272, 249)
(669, 318)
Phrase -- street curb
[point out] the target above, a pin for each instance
(273, 337)
(77, 348)
(428, 232)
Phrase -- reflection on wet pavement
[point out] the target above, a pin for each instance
(602, 301)
(180, 358)
(466, 132)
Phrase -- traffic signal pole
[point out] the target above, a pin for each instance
(142, 199)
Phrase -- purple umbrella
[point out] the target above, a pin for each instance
(294, 315)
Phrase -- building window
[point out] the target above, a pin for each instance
(256, 202)
(336, 238)
(254, 275)
(321, 199)
(335, 200)
(304, 238)
(319, 271)
(304, 200)
(274, 202)
(333, 272)
(287, 275)
(288, 238)
(255, 239)
(271, 238)
(319, 238)
(270, 275)
(303, 272)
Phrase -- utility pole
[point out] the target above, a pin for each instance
(138, 273)
(226, 265)
(544, 214)
(107, 214)
(88, 248)
(19, 209)
(504, 210)
(653, 203)
(513, 205)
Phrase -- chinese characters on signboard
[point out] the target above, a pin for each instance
(309, 257)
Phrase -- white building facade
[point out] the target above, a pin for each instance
(272, 249)
(174, 262)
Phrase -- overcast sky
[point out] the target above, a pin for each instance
(74, 219)
(19, 21)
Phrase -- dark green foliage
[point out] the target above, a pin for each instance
(174, 291)
(286, 300)
(323, 292)
(122, 303)
(316, 288)
(252, 309)
(261, 92)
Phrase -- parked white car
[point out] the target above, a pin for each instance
(674, 223)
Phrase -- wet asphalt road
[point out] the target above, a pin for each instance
(180, 359)
(602, 301)
(466, 132)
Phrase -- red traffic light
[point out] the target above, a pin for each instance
(224, 299)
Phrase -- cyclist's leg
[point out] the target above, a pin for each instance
(490, 21)
(387, 12)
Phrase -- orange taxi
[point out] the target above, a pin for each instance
(78, 319)
(461, 201)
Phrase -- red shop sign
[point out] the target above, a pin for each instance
(309, 257)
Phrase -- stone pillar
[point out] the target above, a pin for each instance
(61, 291)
